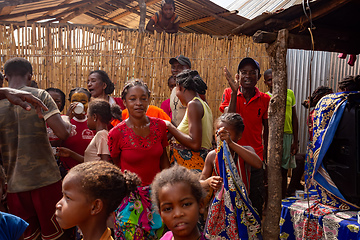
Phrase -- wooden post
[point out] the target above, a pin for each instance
(277, 53)
(142, 7)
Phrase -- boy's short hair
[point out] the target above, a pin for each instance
(17, 67)
(163, 2)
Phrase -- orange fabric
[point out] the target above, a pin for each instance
(152, 111)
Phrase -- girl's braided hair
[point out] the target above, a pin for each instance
(105, 181)
(132, 83)
(316, 96)
(234, 120)
(190, 79)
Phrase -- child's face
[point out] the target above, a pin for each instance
(82, 98)
(74, 209)
(172, 84)
(179, 209)
(57, 98)
(268, 80)
(168, 10)
(233, 135)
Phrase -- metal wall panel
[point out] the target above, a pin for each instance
(298, 69)
(326, 69)
(339, 68)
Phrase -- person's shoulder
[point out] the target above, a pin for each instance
(265, 96)
(157, 121)
(211, 156)
(227, 90)
(167, 236)
(118, 127)
(102, 133)
(249, 148)
(35, 91)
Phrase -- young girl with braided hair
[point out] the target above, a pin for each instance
(91, 192)
(99, 114)
(227, 172)
(194, 133)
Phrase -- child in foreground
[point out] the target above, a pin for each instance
(231, 215)
(178, 195)
(91, 192)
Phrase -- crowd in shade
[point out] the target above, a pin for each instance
(119, 168)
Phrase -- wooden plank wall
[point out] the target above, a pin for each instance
(63, 55)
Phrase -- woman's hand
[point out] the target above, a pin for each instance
(224, 135)
(214, 182)
(234, 83)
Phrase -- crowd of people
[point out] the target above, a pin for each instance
(102, 170)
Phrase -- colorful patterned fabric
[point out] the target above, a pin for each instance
(303, 219)
(231, 215)
(193, 160)
(328, 113)
(136, 219)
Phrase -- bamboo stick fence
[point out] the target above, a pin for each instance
(63, 55)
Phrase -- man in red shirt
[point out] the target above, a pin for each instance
(244, 98)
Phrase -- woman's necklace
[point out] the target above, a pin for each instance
(140, 127)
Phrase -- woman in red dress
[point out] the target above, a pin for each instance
(138, 145)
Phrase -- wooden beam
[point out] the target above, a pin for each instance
(58, 16)
(52, 11)
(89, 6)
(7, 10)
(206, 19)
(131, 10)
(296, 41)
(7, 3)
(106, 20)
(322, 10)
(203, 9)
(37, 11)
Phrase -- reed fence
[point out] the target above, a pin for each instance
(62, 56)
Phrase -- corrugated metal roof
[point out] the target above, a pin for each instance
(253, 8)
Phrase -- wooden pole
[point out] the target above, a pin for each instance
(277, 53)
(142, 7)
